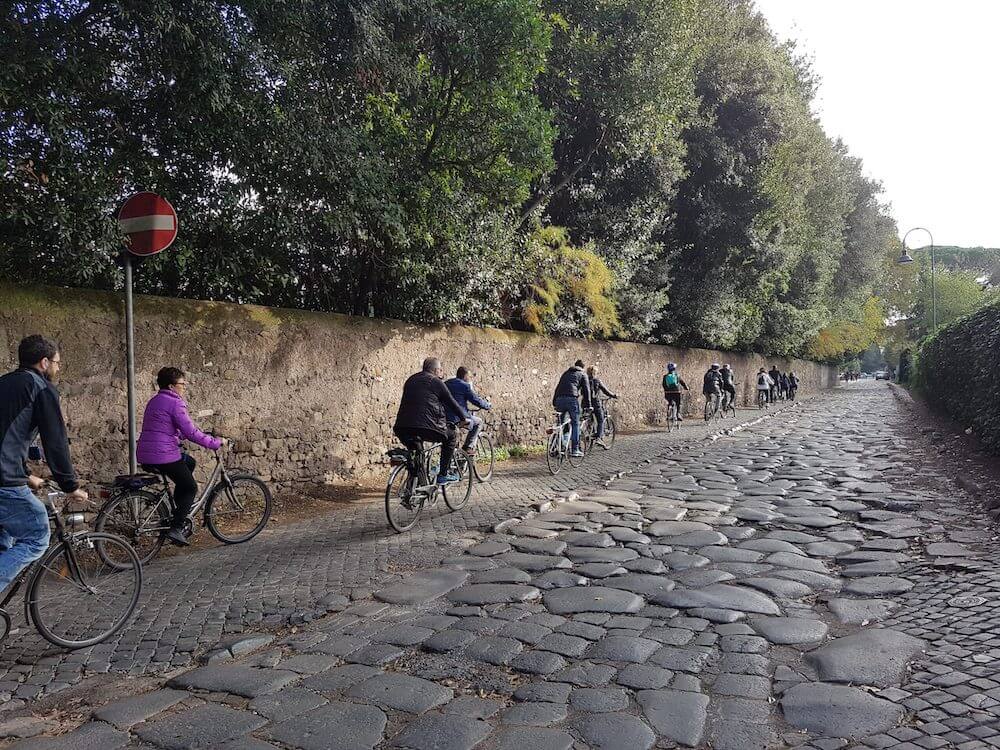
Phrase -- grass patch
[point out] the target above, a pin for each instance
(507, 452)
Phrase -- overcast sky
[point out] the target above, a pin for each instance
(912, 87)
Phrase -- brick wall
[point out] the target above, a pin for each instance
(311, 397)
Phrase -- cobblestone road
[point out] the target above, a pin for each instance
(813, 581)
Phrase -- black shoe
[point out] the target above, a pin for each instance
(176, 536)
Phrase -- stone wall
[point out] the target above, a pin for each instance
(311, 397)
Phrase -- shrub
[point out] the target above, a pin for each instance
(957, 370)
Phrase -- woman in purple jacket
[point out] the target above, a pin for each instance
(165, 424)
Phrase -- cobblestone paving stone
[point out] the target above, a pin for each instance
(705, 599)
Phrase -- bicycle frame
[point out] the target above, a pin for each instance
(565, 429)
(219, 472)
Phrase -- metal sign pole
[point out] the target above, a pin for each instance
(130, 363)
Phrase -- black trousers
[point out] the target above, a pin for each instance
(181, 473)
(449, 443)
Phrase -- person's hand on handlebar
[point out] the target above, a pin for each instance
(78, 494)
(35, 483)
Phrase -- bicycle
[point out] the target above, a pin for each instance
(484, 459)
(412, 484)
(90, 600)
(673, 418)
(558, 448)
(712, 401)
(590, 428)
(727, 404)
(762, 399)
(236, 508)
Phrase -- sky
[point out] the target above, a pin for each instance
(913, 88)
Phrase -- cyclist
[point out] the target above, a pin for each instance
(463, 392)
(775, 375)
(672, 384)
(423, 415)
(573, 385)
(793, 385)
(165, 423)
(729, 384)
(29, 405)
(596, 389)
(784, 385)
(712, 383)
(764, 385)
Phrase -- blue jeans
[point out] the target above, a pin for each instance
(571, 406)
(24, 531)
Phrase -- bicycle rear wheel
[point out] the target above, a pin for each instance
(238, 511)
(457, 494)
(76, 598)
(554, 455)
(138, 517)
(402, 504)
(485, 458)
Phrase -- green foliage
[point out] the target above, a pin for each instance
(956, 370)
(650, 169)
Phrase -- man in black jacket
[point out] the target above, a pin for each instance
(566, 400)
(29, 406)
(423, 412)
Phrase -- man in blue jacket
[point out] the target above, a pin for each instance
(29, 406)
(461, 388)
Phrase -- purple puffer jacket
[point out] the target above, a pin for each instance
(164, 424)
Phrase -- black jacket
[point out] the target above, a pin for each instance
(424, 405)
(597, 388)
(29, 406)
(713, 382)
(573, 383)
(727, 376)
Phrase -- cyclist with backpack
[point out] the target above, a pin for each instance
(711, 387)
(672, 384)
(764, 386)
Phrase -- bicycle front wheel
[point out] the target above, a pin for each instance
(76, 598)
(140, 518)
(457, 494)
(238, 511)
(402, 504)
(485, 458)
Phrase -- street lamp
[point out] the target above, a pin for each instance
(905, 258)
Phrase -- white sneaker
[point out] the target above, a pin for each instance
(577, 453)
(601, 443)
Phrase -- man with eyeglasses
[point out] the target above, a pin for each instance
(29, 406)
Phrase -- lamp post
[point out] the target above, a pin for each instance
(905, 257)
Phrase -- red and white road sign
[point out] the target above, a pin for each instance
(149, 222)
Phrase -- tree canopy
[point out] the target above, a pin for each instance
(650, 170)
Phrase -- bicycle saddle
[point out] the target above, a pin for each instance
(137, 481)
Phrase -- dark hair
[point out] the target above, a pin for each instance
(462, 372)
(33, 349)
(167, 376)
(578, 363)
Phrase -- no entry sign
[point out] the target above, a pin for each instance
(149, 222)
